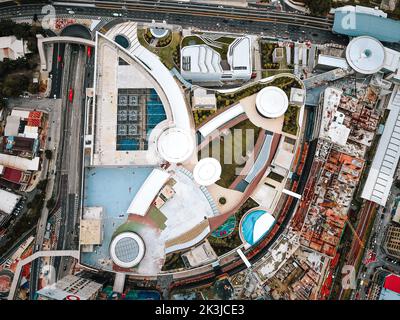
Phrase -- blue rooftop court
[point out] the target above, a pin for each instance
(113, 189)
(383, 29)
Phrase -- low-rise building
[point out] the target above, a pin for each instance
(388, 5)
(391, 288)
(8, 202)
(91, 228)
(12, 48)
(14, 178)
(20, 146)
(383, 168)
(392, 241)
(201, 63)
(70, 288)
(203, 99)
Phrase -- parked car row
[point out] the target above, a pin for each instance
(19, 207)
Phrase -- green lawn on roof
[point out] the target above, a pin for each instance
(229, 170)
(166, 53)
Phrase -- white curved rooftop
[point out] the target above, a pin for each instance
(127, 249)
(272, 102)
(365, 55)
(219, 120)
(207, 171)
(175, 145)
(158, 71)
(203, 59)
(147, 192)
(262, 225)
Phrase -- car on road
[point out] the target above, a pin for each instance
(115, 14)
(70, 95)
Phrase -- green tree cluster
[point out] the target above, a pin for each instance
(21, 31)
(163, 42)
(319, 7)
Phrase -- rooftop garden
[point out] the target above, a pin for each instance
(290, 123)
(157, 42)
(169, 54)
(231, 170)
(267, 49)
(201, 115)
(283, 82)
(232, 241)
(220, 45)
(269, 67)
(173, 261)
(191, 41)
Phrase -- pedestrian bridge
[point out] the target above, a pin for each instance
(39, 254)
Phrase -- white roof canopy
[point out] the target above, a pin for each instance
(8, 201)
(148, 191)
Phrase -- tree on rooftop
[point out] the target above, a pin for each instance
(319, 7)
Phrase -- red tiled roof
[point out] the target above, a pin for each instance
(32, 122)
(35, 114)
(34, 118)
(12, 175)
(392, 282)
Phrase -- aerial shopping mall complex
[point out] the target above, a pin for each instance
(200, 150)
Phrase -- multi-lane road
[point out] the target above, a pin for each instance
(69, 161)
(253, 20)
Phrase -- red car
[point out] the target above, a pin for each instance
(70, 95)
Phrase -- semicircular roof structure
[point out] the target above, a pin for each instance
(207, 171)
(262, 225)
(365, 55)
(272, 102)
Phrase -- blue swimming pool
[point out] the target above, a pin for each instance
(128, 144)
(155, 111)
(255, 224)
(132, 294)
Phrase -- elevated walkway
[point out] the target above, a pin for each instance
(39, 254)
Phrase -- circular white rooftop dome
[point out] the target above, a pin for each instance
(175, 145)
(272, 102)
(207, 171)
(127, 249)
(365, 55)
